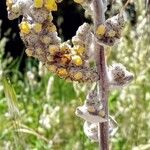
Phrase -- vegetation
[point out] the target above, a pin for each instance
(37, 108)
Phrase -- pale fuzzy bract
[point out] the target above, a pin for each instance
(83, 113)
(119, 76)
(92, 101)
(91, 129)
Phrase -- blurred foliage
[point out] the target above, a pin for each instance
(37, 109)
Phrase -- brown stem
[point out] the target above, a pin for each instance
(99, 18)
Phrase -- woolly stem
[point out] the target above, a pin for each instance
(99, 18)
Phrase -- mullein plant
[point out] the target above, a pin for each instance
(70, 60)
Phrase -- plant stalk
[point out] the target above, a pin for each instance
(99, 18)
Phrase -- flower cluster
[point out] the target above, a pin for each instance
(110, 32)
(42, 42)
(92, 111)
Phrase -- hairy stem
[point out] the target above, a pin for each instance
(99, 18)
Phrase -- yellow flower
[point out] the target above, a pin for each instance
(38, 3)
(52, 28)
(101, 30)
(79, 1)
(78, 76)
(50, 58)
(39, 51)
(111, 33)
(9, 3)
(15, 8)
(65, 59)
(50, 5)
(79, 49)
(65, 47)
(45, 39)
(53, 49)
(62, 72)
(25, 27)
(77, 60)
(37, 27)
(29, 52)
(52, 68)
